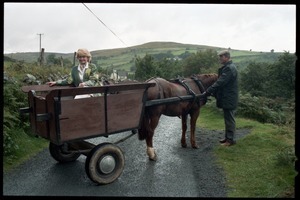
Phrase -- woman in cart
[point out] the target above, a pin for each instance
(83, 75)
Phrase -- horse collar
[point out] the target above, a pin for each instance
(188, 89)
(199, 83)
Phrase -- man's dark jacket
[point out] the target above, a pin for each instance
(225, 89)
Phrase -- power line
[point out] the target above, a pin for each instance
(104, 24)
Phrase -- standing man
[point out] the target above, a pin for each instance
(225, 90)
(82, 75)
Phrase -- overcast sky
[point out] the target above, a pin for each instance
(65, 27)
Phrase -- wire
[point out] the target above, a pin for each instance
(104, 24)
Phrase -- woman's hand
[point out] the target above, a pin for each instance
(81, 85)
(51, 83)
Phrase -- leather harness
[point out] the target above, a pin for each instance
(183, 83)
(198, 82)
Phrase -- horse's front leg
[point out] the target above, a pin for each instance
(184, 128)
(194, 117)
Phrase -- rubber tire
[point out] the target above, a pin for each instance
(57, 153)
(98, 154)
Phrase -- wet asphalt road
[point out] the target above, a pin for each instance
(178, 172)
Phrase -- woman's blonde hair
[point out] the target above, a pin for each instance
(84, 52)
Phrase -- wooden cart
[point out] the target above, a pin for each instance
(58, 115)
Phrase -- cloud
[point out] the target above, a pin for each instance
(69, 26)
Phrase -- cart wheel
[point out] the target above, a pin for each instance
(105, 163)
(59, 155)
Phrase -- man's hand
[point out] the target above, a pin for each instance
(206, 94)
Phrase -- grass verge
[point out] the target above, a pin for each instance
(28, 146)
(261, 164)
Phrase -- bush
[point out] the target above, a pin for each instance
(261, 109)
(9, 143)
(13, 100)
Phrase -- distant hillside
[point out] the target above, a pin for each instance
(123, 58)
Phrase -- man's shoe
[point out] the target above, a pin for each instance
(223, 141)
(227, 143)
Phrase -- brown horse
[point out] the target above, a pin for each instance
(163, 89)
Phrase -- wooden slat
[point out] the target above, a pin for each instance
(41, 126)
(100, 89)
(42, 88)
(124, 111)
(82, 118)
(38, 106)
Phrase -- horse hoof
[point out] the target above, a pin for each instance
(195, 147)
(151, 153)
(153, 159)
(183, 145)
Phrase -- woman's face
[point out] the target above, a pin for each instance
(83, 60)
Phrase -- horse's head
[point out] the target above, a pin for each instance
(207, 79)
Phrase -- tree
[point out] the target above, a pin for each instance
(270, 80)
(282, 75)
(145, 67)
(191, 65)
(201, 62)
(185, 55)
(51, 59)
(161, 56)
(253, 79)
(169, 69)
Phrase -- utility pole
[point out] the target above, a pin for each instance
(41, 56)
(40, 34)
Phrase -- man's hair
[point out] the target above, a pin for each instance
(226, 53)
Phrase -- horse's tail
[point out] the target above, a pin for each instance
(143, 131)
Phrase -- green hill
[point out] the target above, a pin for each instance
(123, 58)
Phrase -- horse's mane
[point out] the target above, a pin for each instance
(206, 75)
(207, 79)
(150, 79)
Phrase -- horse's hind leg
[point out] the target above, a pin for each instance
(184, 128)
(149, 140)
